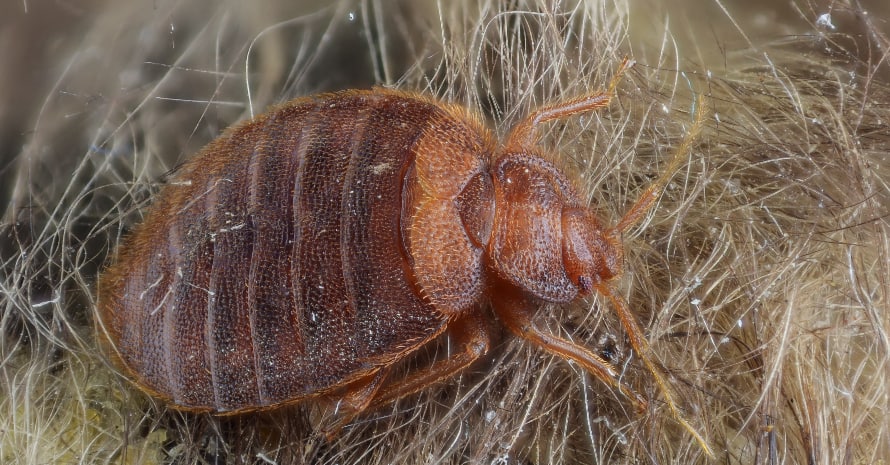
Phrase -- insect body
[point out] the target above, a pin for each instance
(305, 252)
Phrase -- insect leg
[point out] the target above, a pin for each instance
(368, 393)
(356, 397)
(516, 314)
(470, 333)
(524, 134)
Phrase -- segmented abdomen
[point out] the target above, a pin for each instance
(272, 267)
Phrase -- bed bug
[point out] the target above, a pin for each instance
(305, 252)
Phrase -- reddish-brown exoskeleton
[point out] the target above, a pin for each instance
(305, 252)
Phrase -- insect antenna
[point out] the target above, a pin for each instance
(647, 199)
(631, 218)
(641, 347)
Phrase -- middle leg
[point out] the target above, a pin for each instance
(371, 392)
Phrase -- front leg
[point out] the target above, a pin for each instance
(516, 311)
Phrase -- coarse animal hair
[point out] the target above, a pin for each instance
(761, 276)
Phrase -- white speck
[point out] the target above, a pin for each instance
(739, 322)
(824, 20)
(618, 434)
(489, 416)
(350, 16)
(696, 302)
(233, 228)
(665, 108)
(381, 168)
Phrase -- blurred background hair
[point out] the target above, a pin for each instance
(762, 276)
